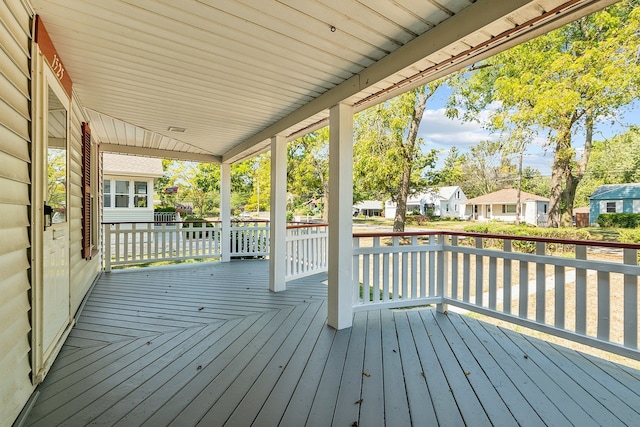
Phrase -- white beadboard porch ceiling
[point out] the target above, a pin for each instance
(233, 73)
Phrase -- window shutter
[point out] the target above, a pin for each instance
(86, 190)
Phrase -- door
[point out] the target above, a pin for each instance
(55, 240)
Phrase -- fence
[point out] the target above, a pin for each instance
(128, 243)
(306, 249)
(580, 290)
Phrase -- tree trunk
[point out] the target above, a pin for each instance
(409, 147)
(518, 203)
(403, 195)
(558, 171)
(572, 179)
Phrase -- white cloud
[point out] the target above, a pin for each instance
(442, 133)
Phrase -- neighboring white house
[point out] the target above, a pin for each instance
(368, 208)
(443, 202)
(501, 205)
(128, 187)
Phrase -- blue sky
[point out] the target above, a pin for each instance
(442, 133)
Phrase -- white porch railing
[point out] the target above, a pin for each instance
(590, 297)
(166, 216)
(306, 249)
(128, 243)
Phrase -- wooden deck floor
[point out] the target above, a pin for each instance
(208, 344)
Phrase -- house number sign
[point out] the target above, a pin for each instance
(51, 54)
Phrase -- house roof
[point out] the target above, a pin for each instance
(119, 164)
(617, 191)
(369, 204)
(505, 196)
(215, 80)
(447, 192)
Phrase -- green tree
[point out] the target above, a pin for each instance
(452, 172)
(558, 84)
(613, 161)
(389, 158)
(308, 169)
(487, 168)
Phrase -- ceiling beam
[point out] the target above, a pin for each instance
(162, 154)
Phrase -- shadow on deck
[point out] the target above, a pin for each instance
(209, 344)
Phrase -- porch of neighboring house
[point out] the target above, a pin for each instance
(209, 344)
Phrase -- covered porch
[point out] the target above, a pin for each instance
(210, 344)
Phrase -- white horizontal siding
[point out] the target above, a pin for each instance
(15, 367)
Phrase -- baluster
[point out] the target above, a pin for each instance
(506, 279)
(479, 273)
(541, 288)
(604, 305)
(376, 270)
(630, 257)
(581, 292)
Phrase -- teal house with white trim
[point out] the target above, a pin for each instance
(614, 198)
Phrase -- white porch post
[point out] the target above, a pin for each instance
(340, 312)
(225, 212)
(278, 214)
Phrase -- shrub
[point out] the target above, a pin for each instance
(165, 209)
(629, 236)
(528, 231)
(621, 220)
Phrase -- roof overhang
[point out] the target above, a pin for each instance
(235, 73)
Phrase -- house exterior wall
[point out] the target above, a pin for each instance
(598, 206)
(15, 157)
(21, 210)
(130, 214)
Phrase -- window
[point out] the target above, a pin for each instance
(126, 194)
(508, 208)
(545, 208)
(611, 207)
(107, 193)
(446, 207)
(140, 196)
(122, 194)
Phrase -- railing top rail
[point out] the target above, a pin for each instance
(599, 243)
(198, 221)
(294, 225)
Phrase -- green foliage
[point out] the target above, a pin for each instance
(613, 161)
(558, 83)
(389, 158)
(308, 170)
(629, 236)
(527, 231)
(621, 220)
(165, 209)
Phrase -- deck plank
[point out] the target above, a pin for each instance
(486, 378)
(283, 391)
(372, 406)
(211, 345)
(350, 391)
(396, 406)
(419, 398)
(472, 410)
(442, 398)
(586, 409)
(532, 406)
(258, 377)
